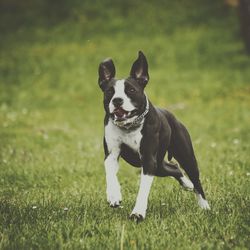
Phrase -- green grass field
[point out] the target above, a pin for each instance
(52, 180)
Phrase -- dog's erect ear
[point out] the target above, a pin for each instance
(106, 72)
(139, 70)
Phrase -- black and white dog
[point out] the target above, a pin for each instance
(142, 134)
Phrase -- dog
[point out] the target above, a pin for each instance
(142, 134)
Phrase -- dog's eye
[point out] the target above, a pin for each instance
(131, 90)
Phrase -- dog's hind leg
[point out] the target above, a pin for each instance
(183, 152)
(192, 171)
(172, 169)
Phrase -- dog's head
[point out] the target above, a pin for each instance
(125, 98)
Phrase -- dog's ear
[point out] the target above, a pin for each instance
(106, 72)
(139, 70)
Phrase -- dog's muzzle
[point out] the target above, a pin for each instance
(129, 119)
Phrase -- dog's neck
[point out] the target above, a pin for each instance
(135, 121)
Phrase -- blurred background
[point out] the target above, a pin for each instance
(50, 51)
(51, 119)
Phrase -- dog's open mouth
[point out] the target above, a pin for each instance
(120, 114)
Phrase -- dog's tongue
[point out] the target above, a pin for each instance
(119, 112)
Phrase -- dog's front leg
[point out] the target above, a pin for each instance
(114, 196)
(148, 157)
(139, 211)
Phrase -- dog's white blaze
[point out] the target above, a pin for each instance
(142, 197)
(202, 202)
(119, 88)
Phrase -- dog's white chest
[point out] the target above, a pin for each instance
(115, 136)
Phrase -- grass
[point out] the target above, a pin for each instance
(52, 182)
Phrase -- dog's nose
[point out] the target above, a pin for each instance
(117, 102)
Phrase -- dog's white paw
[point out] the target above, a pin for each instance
(136, 217)
(202, 202)
(139, 211)
(187, 184)
(114, 197)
